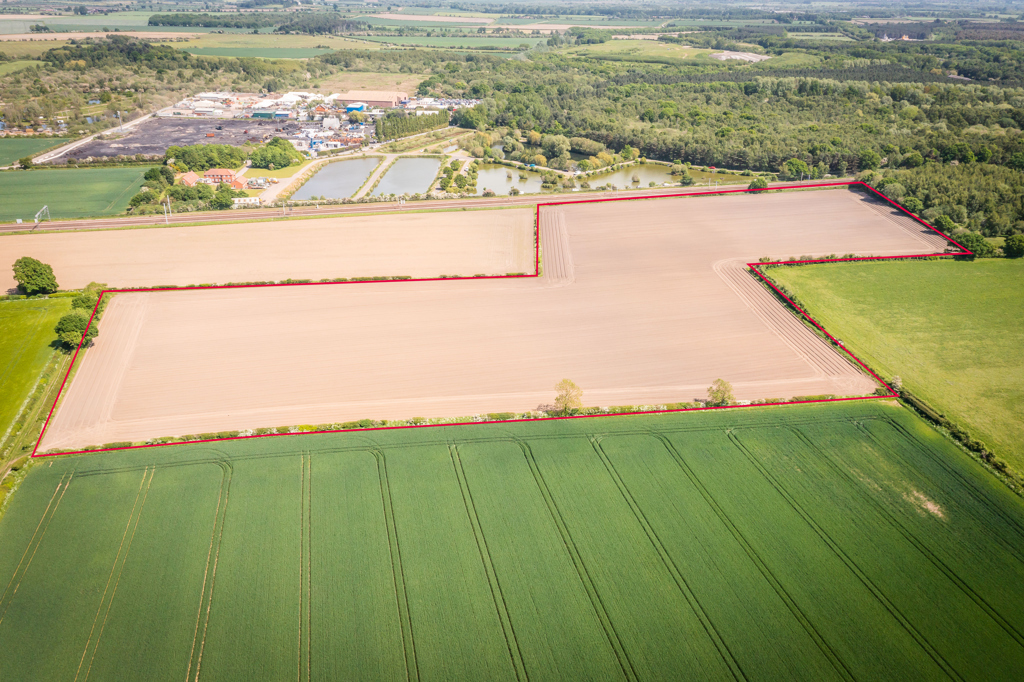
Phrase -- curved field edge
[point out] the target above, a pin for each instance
(952, 330)
(635, 547)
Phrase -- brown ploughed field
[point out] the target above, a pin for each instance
(640, 302)
(415, 244)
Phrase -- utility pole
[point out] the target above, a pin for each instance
(120, 123)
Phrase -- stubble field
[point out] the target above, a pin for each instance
(847, 541)
(641, 302)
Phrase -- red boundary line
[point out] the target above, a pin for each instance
(756, 267)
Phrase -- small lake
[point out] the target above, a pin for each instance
(646, 173)
(337, 180)
(409, 175)
(495, 178)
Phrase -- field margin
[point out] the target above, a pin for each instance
(755, 267)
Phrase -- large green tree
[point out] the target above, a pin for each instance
(71, 326)
(34, 277)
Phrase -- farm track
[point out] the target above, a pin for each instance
(210, 574)
(412, 670)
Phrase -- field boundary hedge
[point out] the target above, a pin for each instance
(885, 391)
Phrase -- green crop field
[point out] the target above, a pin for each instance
(26, 335)
(72, 193)
(953, 331)
(843, 541)
(14, 148)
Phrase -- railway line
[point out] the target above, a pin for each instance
(248, 215)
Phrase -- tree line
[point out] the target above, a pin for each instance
(394, 126)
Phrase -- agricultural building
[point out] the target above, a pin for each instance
(373, 98)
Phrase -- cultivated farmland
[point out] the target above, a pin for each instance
(641, 302)
(72, 193)
(415, 245)
(847, 541)
(952, 330)
(12, 149)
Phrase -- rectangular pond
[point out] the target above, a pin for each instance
(409, 175)
(338, 180)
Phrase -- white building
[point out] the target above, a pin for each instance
(331, 122)
(238, 202)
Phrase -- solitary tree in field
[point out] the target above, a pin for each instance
(70, 327)
(570, 396)
(720, 393)
(34, 277)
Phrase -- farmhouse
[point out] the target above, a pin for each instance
(219, 175)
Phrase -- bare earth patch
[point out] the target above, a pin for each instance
(415, 244)
(642, 302)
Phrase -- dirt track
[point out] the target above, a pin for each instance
(417, 245)
(644, 305)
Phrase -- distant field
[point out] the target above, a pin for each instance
(265, 45)
(468, 41)
(11, 67)
(267, 52)
(14, 148)
(819, 36)
(640, 50)
(26, 332)
(952, 330)
(816, 542)
(22, 49)
(368, 80)
(788, 60)
(69, 193)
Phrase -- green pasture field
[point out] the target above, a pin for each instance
(824, 542)
(72, 193)
(26, 338)
(11, 67)
(953, 331)
(14, 148)
(456, 41)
